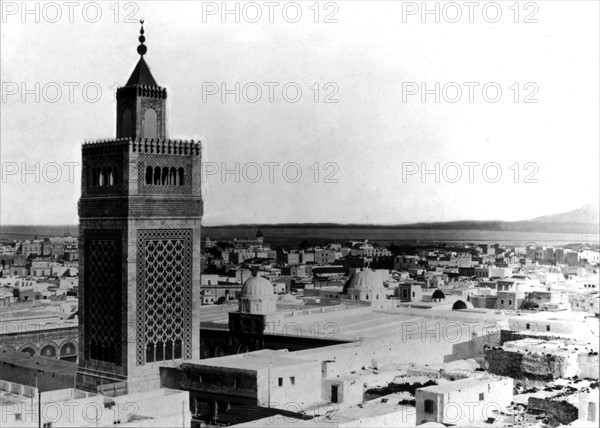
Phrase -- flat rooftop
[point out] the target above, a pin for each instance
(23, 317)
(550, 346)
(354, 323)
(327, 415)
(462, 384)
(45, 364)
(257, 360)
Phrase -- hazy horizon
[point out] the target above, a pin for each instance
(314, 223)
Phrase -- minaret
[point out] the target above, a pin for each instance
(139, 243)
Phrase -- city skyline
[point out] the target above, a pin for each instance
(370, 141)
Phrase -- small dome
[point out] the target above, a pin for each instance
(257, 286)
(288, 298)
(259, 234)
(438, 294)
(366, 279)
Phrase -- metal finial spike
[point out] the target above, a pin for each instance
(142, 49)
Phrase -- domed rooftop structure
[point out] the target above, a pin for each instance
(257, 303)
(461, 304)
(260, 234)
(365, 285)
(257, 286)
(287, 298)
(366, 279)
(438, 294)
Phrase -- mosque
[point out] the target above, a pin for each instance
(261, 319)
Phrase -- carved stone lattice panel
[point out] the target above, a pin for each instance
(164, 295)
(102, 295)
(165, 161)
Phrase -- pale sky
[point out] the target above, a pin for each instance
(370, 58)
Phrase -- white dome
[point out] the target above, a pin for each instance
(257, 286)
(367, 280)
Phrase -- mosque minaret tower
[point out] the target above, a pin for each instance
(139, 240)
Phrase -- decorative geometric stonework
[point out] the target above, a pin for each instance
(169, 174)
(102, 295)
(164, 295)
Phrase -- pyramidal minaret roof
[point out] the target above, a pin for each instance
(141, 74)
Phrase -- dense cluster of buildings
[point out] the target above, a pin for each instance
(483, 276)
(36, 271)
(62, 248)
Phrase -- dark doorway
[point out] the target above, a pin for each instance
(334, 393)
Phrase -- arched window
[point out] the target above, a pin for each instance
(157, 175)
(177, 352)
(181, 176)
(150, 352)
(28, 350)
(219, 352)
(148, 175)
(160, 356)
(165, 176)
(67, 349)
(150, 124)
(93, 350)
(173, 177)
(111, 178)
(127, 124)
(48, 351)
(168, 350)
(110, 353)
(102, 177)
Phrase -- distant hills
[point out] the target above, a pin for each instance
(581, 220)
(588, 214)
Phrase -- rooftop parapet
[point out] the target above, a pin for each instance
(142, 145)
(148, 91)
